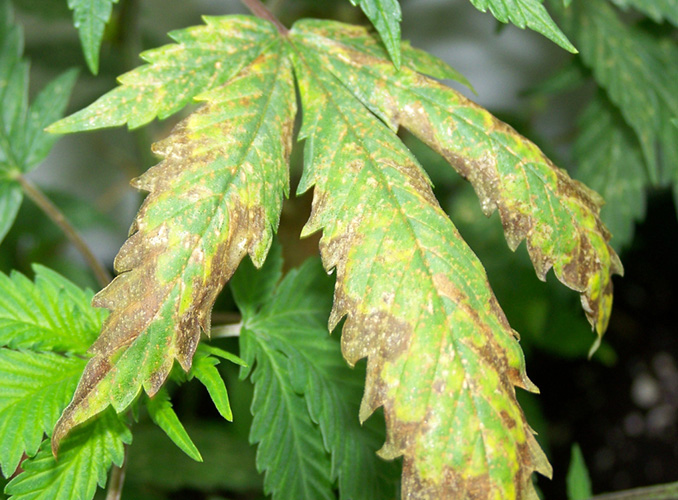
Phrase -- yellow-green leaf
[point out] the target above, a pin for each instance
(216, 196)
(557, 216)
(442, 358)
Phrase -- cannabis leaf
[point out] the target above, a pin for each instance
(215, 197)
(610, 161)
(526, 13)
(417, 301)
(23, 142)
(83, 463)
(658, 10)
(638, 72)
(288, 338)
(45, 328)
(161, 412)
(385, 15)
(90, 17)
(536, 200)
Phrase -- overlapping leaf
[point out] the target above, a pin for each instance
(385, 15)
(442, 359)
(610, 161)
(84, 461)
(290, 342)
(215, 197)
(90, 17)
(526, 13)
(658, 10)
(23, 141)
(536, 200)
(638, 72)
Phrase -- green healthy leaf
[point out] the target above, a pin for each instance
(536, 200)
(385, 15)
(36, 386)
(90, 17)
(48, 314)
(161, 412)
(215, 197)
(204, 369)
(204, 58)
(578, 481)
(638, 72)
(658, 10)
(293, 328)
(84, 461)
(290, 447)
(442, 359)
(610, 161)
(526, 13)
(23, 142)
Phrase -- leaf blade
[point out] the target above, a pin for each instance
(215, 197)
(395, 251)
(90, 17)
(161, 412)
(385, 15)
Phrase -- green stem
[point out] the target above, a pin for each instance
(51, 210)
(259, 9)
(117, 479)
(658, 492)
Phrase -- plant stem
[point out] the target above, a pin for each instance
(117, 479)
(51, 210)
(259, 9)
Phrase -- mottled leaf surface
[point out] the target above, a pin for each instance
(203, 58)
(90, 17)
(288, 338)
(639, 73)
(658, 10)
(385, 15)
(442, 359)
(526, 13)
(538, 202)
(215, 197)
(610, 161)
(84, 461)
(23, 141)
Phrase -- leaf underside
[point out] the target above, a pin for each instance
(442, 358)
(215, 197)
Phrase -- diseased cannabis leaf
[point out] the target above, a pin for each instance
(301, 378)
(536, 200)
(23, 141)
(90, 17)
(526, 13)
(215, 197)
(417, 303)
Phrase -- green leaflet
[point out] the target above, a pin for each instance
(161, 412)
(578, 480)
(23, 141)
(48, 314)
(84, 461)
(288, 338)
(215, 197)
(36, 386)
(90, 17)
(204, 58)
(638, 72)
(658, 10)
(536, 200)
(526, 13)
(385, 15)
(610, 161)
(442, 359)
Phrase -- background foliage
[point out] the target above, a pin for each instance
(612, 110)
